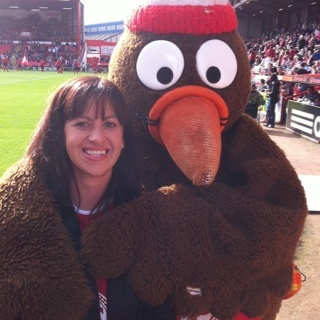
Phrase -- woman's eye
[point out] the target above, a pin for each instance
(81, 124)
(110, 124)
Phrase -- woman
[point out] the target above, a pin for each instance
(80, 163)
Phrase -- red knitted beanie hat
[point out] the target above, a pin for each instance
(198, 17)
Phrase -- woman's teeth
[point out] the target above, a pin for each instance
(95, 152)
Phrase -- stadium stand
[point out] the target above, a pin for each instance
(40, 30)
(289, 30)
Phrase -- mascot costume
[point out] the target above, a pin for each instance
(223, 209)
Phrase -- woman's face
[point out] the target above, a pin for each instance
(94, 144)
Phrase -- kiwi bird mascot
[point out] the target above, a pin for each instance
(216, 228)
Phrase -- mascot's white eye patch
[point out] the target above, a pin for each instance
(217, 64)
(160, 64)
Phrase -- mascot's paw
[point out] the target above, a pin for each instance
(167, 250)
(188, 301)
(171, 245)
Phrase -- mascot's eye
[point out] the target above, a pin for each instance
(160, 64)
(216, 64)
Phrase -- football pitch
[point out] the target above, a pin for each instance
(23, 97)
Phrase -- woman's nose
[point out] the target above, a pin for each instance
(96, 134)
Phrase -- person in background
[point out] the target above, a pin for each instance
(271, 69)
(274, 96)
(302, 69)
(311, 96)
(19, 64)
(314, 69)
(5, 64)
(42, 65)
(256, 65)
(290, 65)
(265, 64)
(315, 56)
(59, 66)
(255, 100)
(299, 71)
(94, 66)
(280, 71)
(288, 87)
(252, 57)
(263, 86)
(81, 162)
(76, 67)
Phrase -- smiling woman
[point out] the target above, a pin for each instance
(86, 115)
(81, 163)
(94, 142)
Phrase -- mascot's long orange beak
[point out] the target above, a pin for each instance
(190, 121)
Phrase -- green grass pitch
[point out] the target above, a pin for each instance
(23, 98)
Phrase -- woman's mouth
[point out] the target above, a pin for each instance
(95, 152)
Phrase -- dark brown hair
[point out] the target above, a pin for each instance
(47, 146)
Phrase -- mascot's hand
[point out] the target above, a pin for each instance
(163, 241)
(173, 242)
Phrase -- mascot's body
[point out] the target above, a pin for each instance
(217, 228)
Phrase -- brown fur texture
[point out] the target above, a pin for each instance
(40, 275)
(235, 240)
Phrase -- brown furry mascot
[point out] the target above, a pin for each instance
(223, 209)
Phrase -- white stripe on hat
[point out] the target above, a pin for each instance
(185, 2)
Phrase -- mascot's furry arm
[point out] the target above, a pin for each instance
(225, 248)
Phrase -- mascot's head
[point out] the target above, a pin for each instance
(183, 67)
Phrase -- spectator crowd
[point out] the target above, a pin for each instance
(291, 51)
(295, 50)
(30, 42)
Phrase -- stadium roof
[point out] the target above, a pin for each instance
(104, 36)
(265, 8)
